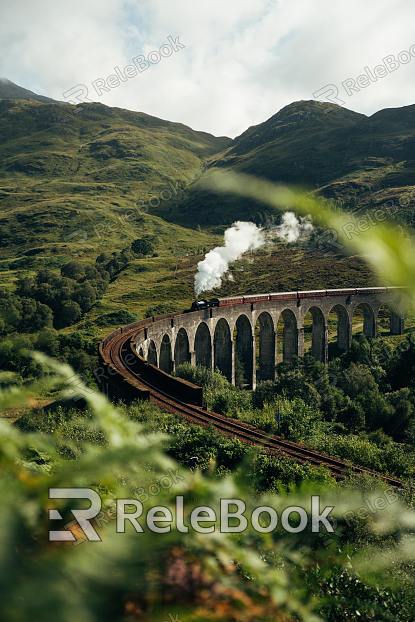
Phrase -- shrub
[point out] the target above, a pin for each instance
(142, 246)
(116, 318)
(160, 309)
(68, 313)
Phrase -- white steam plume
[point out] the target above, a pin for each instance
(292, 229)
(241, 238)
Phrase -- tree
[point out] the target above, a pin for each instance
(295, 419)
(68, 313)
(10, 312)
(73, 270)
(402, 415)
(47, 341)
(24, 287)
(43, 317)
(35, 315)
(401, 368)
(45, 276)
(85, 295)
(142, 246)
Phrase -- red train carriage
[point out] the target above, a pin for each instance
(283, 296)
(347, 291)
(256, 298)
(318, 293)
(371, 290)
(230, 302)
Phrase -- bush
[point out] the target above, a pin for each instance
(116, 318)
(289, 384)
(69, 313)
(219, 394)
(142, 246)
(50, 298)
(35, 315)
(277, 473)
(160, 309)
(295, 419)
(15, 356)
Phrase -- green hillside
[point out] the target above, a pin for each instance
(76, 178)
(362, 161)
(76, 182)
(65, 157)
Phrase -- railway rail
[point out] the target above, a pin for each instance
(126, 366)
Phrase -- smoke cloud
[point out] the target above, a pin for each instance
(241, 238)
(292, 229)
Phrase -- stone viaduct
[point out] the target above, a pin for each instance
(240, 336)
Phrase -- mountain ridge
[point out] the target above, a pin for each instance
(11, 90)
(64, 168)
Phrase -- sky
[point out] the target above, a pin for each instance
(227, 65)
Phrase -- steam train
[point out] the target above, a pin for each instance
(199, 305)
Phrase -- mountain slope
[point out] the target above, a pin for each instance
(73, 172)
(10, 90)
(292, 145)
(357, 159)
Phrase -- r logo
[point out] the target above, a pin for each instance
(80, 93)
(329, 93)
(82, 517)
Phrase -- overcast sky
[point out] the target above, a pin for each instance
(243, 59)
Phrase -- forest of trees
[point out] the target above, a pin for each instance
(56, 300)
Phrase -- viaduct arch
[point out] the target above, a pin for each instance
(223, 349)
(241, 336)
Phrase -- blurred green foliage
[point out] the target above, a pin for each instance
(148, 576)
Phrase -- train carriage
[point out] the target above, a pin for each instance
(283, 296)
(229, 302)
(371, 290)
(347, 291)
(256, 298)
(318, 293)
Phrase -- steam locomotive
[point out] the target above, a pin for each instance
(198, 305)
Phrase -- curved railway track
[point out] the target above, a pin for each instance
(117, 352)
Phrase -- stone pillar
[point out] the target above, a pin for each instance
(325, 343)
(222, 349)
(253, 361)
(369, 322)
(300, 341)
(319, 335)
(244, 351)
(292, 339)
(344, 332)
(276, 346)
(233, 344)
(166, 358)
(397, 323)
(192, 358)
(266, 353)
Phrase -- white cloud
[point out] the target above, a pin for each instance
(244, 59)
